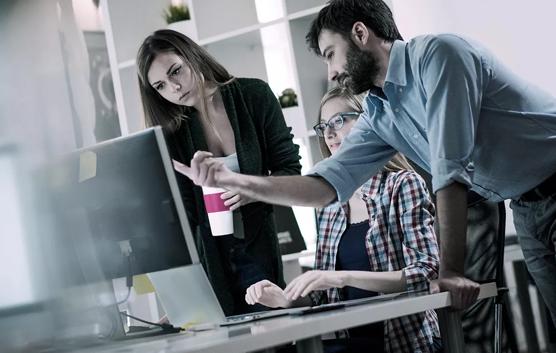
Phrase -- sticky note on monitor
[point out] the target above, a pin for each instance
(87, 166)
(142, 284)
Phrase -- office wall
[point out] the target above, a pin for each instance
(519, 32)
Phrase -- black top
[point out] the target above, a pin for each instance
(352, 256)
(264, 146)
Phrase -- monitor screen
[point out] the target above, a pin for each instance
(125, 192)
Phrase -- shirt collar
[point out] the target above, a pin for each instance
(395, 74)
(396, 65)
(370, 189)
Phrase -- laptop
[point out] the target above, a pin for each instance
(190, 302)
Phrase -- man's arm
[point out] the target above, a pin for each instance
(452, 223)
(452, 228)
(319, 280)
(310, 191)
(452, 78)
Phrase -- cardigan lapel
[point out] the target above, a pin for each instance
(241, 119)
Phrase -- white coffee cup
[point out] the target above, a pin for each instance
(220, 217)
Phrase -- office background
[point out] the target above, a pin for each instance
(68, 80)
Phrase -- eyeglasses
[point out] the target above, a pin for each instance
(335, 123)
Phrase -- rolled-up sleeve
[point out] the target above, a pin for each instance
(452, 80)
(360, 156)
(420, 247)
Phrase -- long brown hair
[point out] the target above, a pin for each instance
(204, 68)
(355, 102)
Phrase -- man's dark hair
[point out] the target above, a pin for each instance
(340, 15)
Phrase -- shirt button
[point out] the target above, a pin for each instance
(400, 90)
(397, 110)
(415, 136)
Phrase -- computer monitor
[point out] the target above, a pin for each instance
(126, 194)
(120, 210)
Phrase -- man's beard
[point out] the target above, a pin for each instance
(361, 70)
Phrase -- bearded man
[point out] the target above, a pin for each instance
(450, 106)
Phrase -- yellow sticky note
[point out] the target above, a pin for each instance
(87, 166)
(142, 284)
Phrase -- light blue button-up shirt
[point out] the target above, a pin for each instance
(451, 107)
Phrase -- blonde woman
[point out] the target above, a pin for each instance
(381, 241)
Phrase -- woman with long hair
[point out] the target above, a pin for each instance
(238, 120)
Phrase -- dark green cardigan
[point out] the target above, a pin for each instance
(264, 146)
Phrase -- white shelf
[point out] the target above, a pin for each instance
(219, 17)
(311, 70)
(273, 50)
(238, 32)
(299, 6)
(234, 52)
(126, 64)
(307, 12)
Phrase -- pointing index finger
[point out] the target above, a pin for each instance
(181, 168)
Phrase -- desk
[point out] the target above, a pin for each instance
(305, 330)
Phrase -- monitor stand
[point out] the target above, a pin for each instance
(134, 331)
(187, 298)
(144, 331)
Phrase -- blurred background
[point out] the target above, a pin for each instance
(68, 77)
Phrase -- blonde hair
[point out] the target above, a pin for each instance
(355, 102)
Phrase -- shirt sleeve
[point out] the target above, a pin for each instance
(360, 156)
(452, 80)
(420, 247)
(282, 153)
(318, 297)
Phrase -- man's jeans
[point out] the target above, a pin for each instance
(535, 223)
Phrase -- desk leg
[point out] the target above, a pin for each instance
(309, 345)
(522, 286)
(451, 330)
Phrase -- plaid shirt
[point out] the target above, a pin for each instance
(400, 237)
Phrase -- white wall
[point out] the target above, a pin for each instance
(87, 15)
(519, 32)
